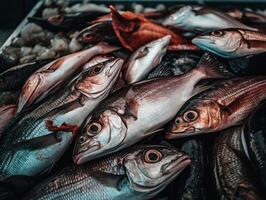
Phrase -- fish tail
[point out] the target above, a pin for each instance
(211, 67)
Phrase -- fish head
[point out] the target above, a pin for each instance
(99, 137)
(152, 167)
(180, 17)
(195, 118)
(221, 42)
(99, 79)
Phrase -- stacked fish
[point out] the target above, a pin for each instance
(156, 106)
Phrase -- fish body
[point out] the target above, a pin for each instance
(227, 103)
(51, 76)
(202, 19)
(232, 43)
(7, 112)
(34, 141)
(135, 112)
(128, 174)
(175, 64)
(15, 77)
(143, 60)
(233, 176)
(253, 139)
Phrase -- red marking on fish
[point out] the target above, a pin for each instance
(63, 127)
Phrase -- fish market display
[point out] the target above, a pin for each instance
(35, 141)
(232, 43)
(233, 176)
(112, 100)
(140, 173)
(135, 112)
(202, 19)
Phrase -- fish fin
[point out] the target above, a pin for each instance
(14, 186)
(38, 142)
(110, 180)
(230, 107)
(212, 67)
(200, 88)
(142, 53)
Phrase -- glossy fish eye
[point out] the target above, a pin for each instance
(97, 69)
(217, 33)
(94, 128)
(152, 156)
(190, 115)
(87, 36)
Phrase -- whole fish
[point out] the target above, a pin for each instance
(15, 77)
(134, 31)
(51, 76)
(175, 64)
(7, 112)
(143, 60)
(189, 185)
(233, 176)
(34, 141)
(137, 111)
(232, 43)
(138, 173)
(98, 32)
(225, 104)
(202, 19)
(253, 139)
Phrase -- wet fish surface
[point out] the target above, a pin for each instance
(139, 173)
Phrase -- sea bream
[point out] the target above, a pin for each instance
(133, 113)
(141, 172)
(34, 141)
(144, 59)
(226, 103)
(51, 76)
(232, 43)
(201, 19)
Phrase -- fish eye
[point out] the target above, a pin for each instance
(152, 156)
(94, 128)
(97, 69)
(87, 36)
(217, 33)
(190, 115)
(82, 139)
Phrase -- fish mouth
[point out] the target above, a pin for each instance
(83, 156)
(180, 133)
(178, 165)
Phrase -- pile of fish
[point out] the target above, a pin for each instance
(138, 103)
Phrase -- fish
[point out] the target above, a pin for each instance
(13, 78)
(53, 75)
(232, 43)
(233, 175)
(33, 142)
(98, 32)
(146, 58)
(139, 110)
(134, 31)
(226, 103)
(253, 141)
(65, 22)
(7, 112)
(202, 19)
(190, 184)
(175, 64)
(141, 172)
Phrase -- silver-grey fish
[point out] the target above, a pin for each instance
(135, 112)
(139, 173)
(202, 19)
(144, 59)
(34, 141)
(232, 43)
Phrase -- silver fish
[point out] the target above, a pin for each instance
(51, 76)
(135, 112)
(232, 43)
(144, 59)
(202, 19)
(139, 173)
(34, 141)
